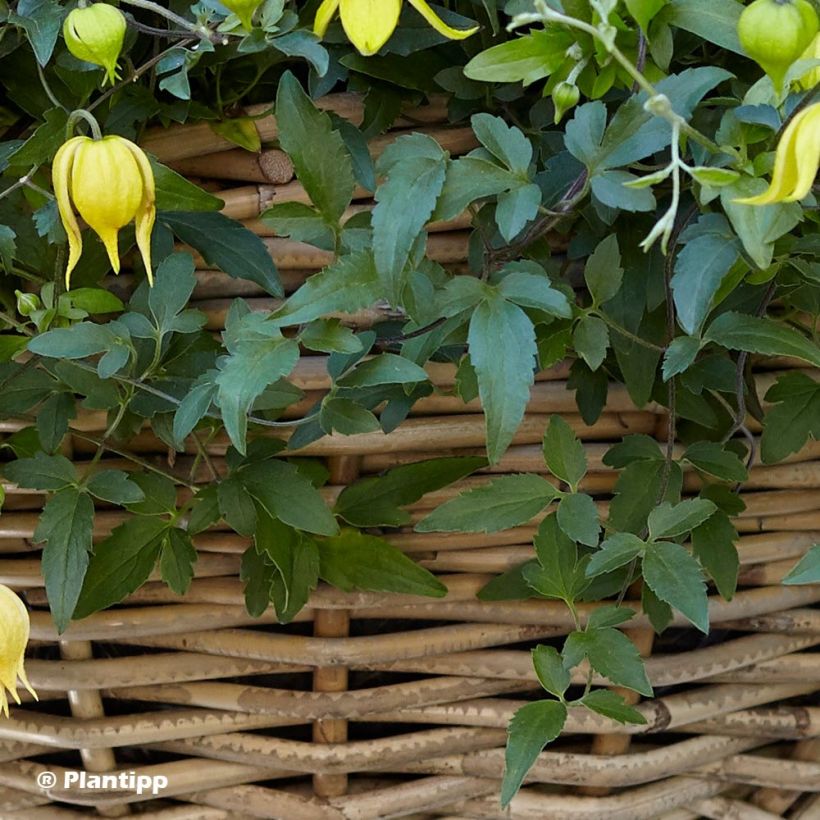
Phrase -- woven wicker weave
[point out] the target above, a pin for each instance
(376, 705)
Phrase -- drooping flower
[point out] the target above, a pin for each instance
(95, 34)
(796, 160)
(14, 631)
(369, 23)
(109, 182)
(244, 10)
(811, 77)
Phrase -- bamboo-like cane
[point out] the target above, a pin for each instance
(270, 166)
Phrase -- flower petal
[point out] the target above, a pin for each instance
(806, 152)
(369, 23)
(438, 24)
(61, 181)
(324, 14)
(14, 633)
(784, 174)
(147, 211)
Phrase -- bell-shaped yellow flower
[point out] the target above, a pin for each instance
(110, 182)
(796, 160)
(369, 23)
(96, 34)
(14, 629)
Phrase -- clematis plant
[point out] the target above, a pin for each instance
(14, 631)
(370, 23)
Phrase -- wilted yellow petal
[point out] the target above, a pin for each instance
(14, 632)
(147, 211)
(324, 15)
(806, 152)
(785, 172)
(438, 24)
(369, 23)
(61, 180)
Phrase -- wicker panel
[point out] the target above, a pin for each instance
(374, 705)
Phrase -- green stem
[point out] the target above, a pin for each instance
(81, 114)
(622, 331)
(200, 31)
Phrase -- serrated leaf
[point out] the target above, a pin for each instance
(177, 559)
(807, 569)
(670, 520)
(618, 550)
(578, 518)
(679, 355)
(377, 501)
(795, 416)
(65, 527)
(115, 486)
(503, 352)
(533, 726)
(713, 544)
(41, 472)
(612, 705)
(505, 142)
(611, 654)
(564, 453)
(590, 339)
(676, 577)
(549, 666)
(504, 502)
(353, 560)
(387, 368)
(613, 615)
(559, 574)
(603, 272)
(528, 285)
(53, 417)
(711, 458)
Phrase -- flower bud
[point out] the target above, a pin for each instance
(13, 639)
(109, 182)
(564, 96)
(27, 303)
(95, 34)
(775, 33)
(243, 9)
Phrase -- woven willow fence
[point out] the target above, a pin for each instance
(377, 705)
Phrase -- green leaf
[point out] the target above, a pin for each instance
(713, 544)
(75, 342)
(632, 448)
(228, 245)
(177, 559)
(560, 574)
(611, 654)
(676, 577)
(53, 417)
(259, 356)
(259, 576)
(115, 486)
(699, 270)
(467, 180)
(502, 349)
(591, 340)
(509, 586)
(330, 336)
(205, 511)
(42, 472)
(795, 416)
(711, 458)
(236, 506)
(415, 166)
(679, 355)
(65, 527)
(41, 20)
(505, 142)
(387, 368)
(353, 560)
(515, 208)
(377, 501)
(121, 563)
(174, 284)
(807, 569)
(617, 551)
(615, 190)
(549, 666)
(670, 520)
(95, 300)
(533, 726)
(644, 10)
(347, 417)
(528, 285)
(504, 502)
(175, 193)
(636, 491)
(612, 705)
(564, 453)
(713, 20)
(659, 612)
(603, 272)
(613, 615)
(320, 158)
(349, 284)
(524, 59)
(287, 495)
(578, 518)
(193, 407)
(159, 494)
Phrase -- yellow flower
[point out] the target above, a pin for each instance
(14, 629)
(811, 77)
(244, 10)
(96, 34)
(796, 160)
(369, 23)
(109, 182)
